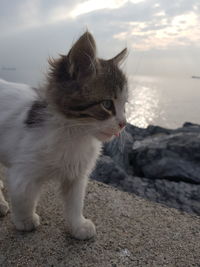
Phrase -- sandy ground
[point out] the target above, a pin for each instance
(130, 232)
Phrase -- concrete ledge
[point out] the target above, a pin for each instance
(131, 232)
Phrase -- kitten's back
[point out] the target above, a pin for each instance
(14, 97)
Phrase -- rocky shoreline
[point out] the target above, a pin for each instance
(155, 163)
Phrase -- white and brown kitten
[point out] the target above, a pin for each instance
(59, 136)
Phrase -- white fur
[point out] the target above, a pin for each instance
(3, 204)
(61, 149)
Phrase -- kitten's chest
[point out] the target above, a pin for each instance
(73, 158)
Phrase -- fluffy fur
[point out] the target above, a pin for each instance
(59, 136)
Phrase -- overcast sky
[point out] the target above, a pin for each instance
(163, 36)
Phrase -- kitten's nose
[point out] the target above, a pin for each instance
(122, 124)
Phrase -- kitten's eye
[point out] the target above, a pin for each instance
(107, 104)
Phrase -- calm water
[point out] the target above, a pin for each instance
(168, 102)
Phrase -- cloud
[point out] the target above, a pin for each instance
(144, 24)
(92, 5)
(33, 30)
(20, 15)
(149, 24)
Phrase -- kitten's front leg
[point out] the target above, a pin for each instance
(24, 191)
(73, 195)
(4, 208)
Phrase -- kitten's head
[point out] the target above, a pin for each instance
(89, 90)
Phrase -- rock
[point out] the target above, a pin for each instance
(175, 157)
(107, 171)
(181, 195)
(157, 153)
(159, 164)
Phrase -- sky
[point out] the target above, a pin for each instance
(163, 37)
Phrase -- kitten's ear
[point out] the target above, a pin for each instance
(119, 58)
(82, 57)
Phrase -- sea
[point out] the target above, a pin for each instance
(163, 101)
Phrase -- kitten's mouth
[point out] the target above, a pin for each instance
(109, 135)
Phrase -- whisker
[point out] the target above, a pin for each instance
(123, 139)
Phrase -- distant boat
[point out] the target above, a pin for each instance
(195, 77)
(8, 68)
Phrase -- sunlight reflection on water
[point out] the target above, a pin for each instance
(143, 104)
(167, 102)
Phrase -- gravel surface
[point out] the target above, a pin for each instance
(130, 232)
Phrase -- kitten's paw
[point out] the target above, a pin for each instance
(4, 208)
(84, 230)
(27, 224)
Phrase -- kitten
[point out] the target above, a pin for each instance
(60, 135)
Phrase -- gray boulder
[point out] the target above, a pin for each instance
(158, 153)
(159, 164)
(107, 171)
(175, 157)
